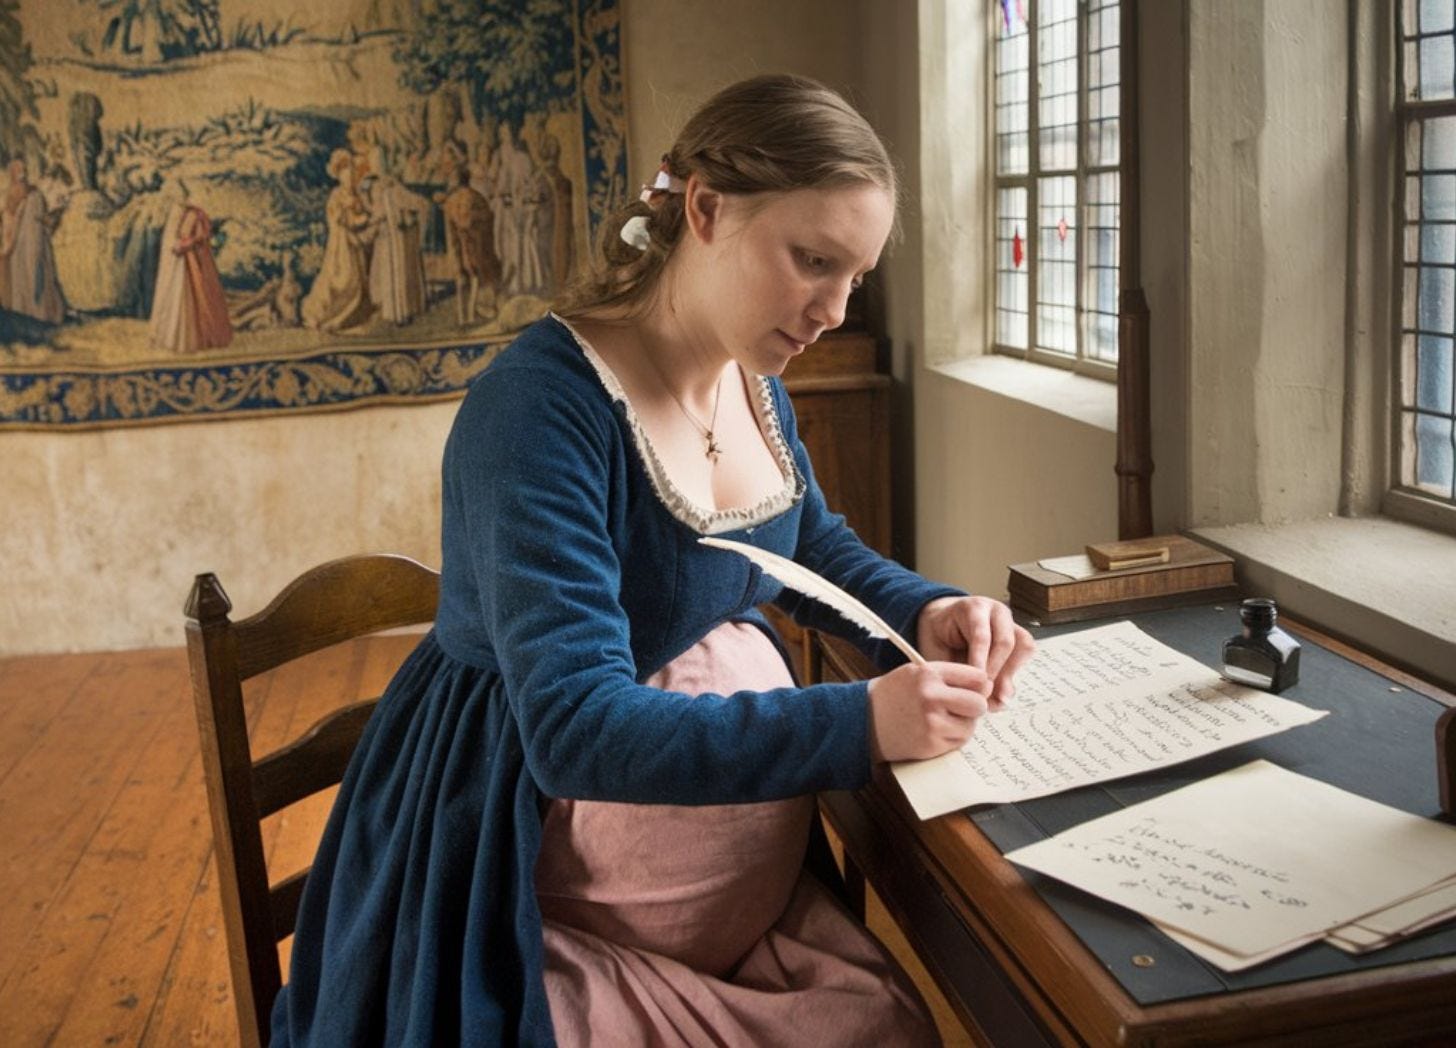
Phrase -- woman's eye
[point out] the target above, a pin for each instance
(813, 261)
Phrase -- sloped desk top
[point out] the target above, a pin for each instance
(1028, 960)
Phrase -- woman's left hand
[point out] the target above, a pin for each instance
(979, 632)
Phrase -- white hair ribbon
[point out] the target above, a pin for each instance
(634, 232)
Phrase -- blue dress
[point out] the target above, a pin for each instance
(568, 577)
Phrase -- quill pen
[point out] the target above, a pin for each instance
(801, 580)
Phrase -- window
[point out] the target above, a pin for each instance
(1056, 193)
(1425, 391)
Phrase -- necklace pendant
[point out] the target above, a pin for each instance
(713, 451)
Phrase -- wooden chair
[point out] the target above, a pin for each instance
(333, 602)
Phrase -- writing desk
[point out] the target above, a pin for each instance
(1026, 960)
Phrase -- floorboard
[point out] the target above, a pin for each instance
(110, 925)
(52, 805)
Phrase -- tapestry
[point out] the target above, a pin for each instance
(220, 207)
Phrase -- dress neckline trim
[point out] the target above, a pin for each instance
(700, 518)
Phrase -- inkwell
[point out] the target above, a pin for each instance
(1262, 655)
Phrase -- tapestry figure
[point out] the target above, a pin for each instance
(396, 265)
(557, 231)
(30, 283)
(339, 297)
(189, 312)
(471, 231)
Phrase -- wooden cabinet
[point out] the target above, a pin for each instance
(843, 406)
(842, 402)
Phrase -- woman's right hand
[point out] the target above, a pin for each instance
(917, 712)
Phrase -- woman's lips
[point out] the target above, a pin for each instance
(795, 344)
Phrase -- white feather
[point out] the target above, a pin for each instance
(800, 579)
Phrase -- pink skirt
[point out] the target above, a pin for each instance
(669, 925)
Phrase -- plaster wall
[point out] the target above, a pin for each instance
(1267, 249)
(1003, 480)
(990, 473)
(101, 532)
(677, 54)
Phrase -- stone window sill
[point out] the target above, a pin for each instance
(1051, 389)
(1385, 586)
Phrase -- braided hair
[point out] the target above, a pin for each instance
(767, 134)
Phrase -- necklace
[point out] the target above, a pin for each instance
(711, 450)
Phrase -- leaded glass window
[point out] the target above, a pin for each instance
(1057, 149)
(1426, 390)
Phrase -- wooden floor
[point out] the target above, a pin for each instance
(110, 931)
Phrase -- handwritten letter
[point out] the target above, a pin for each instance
(1091, 707)
(1243, 860)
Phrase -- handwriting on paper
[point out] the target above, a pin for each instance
(1241, 861)
(1154, 860)
(1025, 753)
(1095, 661)
(1092, 707)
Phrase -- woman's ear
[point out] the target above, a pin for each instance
(703, 209)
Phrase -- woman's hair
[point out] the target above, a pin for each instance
(763, 135)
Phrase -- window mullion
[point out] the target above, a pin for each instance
(1083, 144)
(1033, 173)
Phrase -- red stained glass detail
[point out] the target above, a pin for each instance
(1062, 230)
(1018, 250)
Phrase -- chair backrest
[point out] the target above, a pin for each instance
(333, 602)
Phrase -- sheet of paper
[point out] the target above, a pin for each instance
(1232, 962)
(1094, 706)
(1091, 663)
(1437, 901)
(1251, 859)
(1352, 938)
(1077, 566)
(1426, 909)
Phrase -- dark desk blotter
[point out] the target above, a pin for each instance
(1376, 742)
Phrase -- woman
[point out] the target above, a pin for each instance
(397, 264)
(189, 310)
(29, 264)
(339, 298)
(581, 811)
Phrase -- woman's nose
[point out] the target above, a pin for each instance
(829, 306)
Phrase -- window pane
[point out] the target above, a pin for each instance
(1429, 51)
(1436, 311)
(1103, 74)
(1433, 371)
(1099, 292)
(1056, 273)
(1057, 79)
(1012, 87)
(1436, 66)
(1433, 454)
(1435, 16)
(1438, 147)
(1011, 267)
(1438, 242)
(1438, 197)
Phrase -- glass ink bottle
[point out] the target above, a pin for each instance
(1262, 655)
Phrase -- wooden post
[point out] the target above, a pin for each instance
(1134, 411)
(227, 761)
(1134, 423)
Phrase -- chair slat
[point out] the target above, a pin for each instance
(314, 761)
(283, 900)
(334, 602)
